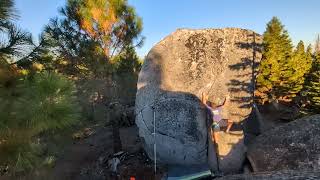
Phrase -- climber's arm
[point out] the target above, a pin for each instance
(204, 98)
(226, 101)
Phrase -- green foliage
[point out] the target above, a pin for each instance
(20, 156)
(7, 11)
(50, 161)
(73, 52)
(127, 62)
(298, 66)
(35, 98)
(81, 50)
(282, 71)
(313, 85)
(15, 43)
(112, 23)
(277, 50)
(34, 104)
(51, 103)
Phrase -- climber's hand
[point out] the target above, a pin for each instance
(204, 97)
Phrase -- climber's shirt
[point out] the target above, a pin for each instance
(217, 117)
(217, 114)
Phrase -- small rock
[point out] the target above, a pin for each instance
(113, 164)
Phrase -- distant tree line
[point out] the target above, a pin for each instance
(286, 73)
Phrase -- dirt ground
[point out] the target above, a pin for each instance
(87, 159)
(133, 161)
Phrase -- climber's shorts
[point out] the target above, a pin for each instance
(215, 126)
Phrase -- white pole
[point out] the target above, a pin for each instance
(155, 145)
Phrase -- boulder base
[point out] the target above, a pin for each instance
(231, 150)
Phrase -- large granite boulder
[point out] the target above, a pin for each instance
(174, 75)
(293, 146)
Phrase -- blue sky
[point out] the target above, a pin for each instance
(161, 17)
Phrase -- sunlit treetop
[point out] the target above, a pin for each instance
(113, 23)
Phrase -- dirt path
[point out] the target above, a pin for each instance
(77, 156)
(83, 153)
(87, 159)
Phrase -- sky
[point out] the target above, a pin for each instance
(162, 17)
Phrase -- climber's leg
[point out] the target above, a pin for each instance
(214, 136)
(229, 125)
(215, 127)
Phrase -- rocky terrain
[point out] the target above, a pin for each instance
(293, 146)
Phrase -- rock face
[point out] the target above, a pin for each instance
(231, 150)
(175, 74)
(293, 146)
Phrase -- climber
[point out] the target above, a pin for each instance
(217, 116)
(225, 114)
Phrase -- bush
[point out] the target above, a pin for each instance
(33, 104)
(51, 103)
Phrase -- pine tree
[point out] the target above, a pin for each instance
(274, 70)
(29, 105)
(93, 34)
(42, 102)
(7, 10)
(112, 23)
(298, 66)
(128, 61)
(313, 85)
(14, 42)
